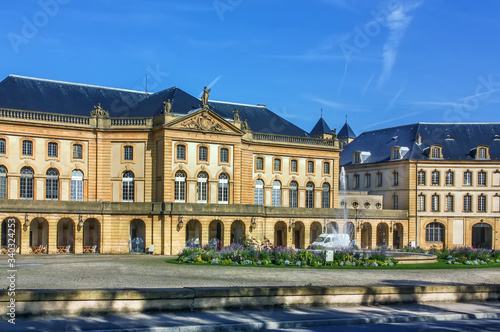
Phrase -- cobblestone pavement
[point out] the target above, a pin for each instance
(147, 271)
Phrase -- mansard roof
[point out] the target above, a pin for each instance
(321, 127)
(346, 132)
(41, 95)
(458, 142)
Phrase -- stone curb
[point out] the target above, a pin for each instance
(312, 323)
(81, 302)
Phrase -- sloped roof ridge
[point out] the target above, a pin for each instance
(78, 84)
(394, 127)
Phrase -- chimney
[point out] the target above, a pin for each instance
(419, 139)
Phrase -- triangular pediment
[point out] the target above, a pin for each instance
(206, 121)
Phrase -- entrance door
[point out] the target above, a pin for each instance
(482, 236)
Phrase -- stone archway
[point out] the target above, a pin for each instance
(237, 232)
(216, 233)
(91, 235)
(39, 233)
(11, 235)
(366, 236)
(298, 233)
(193, 233)
(66, 234)
(397, 236)
(382, 235)
(280, 234)
(482, 235)
(137, 239)
(316, 230)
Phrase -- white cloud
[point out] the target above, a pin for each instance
(397, 21)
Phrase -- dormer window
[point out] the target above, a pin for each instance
(356, 157)
(396, 153)
(359, 157)
(436, 152)
(482, 152)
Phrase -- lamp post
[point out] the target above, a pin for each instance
(26, 222)
(80, 223)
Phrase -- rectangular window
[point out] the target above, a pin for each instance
(3, 182)
(435, 178)
(224, 155)
(481, 179)
(293, 195)
(203, 153)
(2, 146)
(52, 150)
(128, 152)
(468, 178)
(450, 178)
(27, 148)
(395, 154)
(435, 203)
(277, 165)
(449, 203)
(379, 179)
(326, 168)
(421, 203)
(395, 178)
(357, 158)
(293, 166)
(421, 178)
(356, 181)
(77, 151)
(181, 152)
(259, 193)
(395, 202)
(368, 180)
(482, 153)
(481, 203)
(259, 163)
(467, 203)
(310, 167)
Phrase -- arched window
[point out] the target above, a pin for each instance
(293, 196)
(202, 189)
(259, 192)
(309, 195)
(180, 187)
(434, 232)
(276, 193)
(421, 202)
(223, 188)
(52, 184)
(128, 186)
(26, 183)
(325, 196)
(76, 185)
(3, 182)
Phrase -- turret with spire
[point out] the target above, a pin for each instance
(346, 135)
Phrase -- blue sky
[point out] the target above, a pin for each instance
(381, 63)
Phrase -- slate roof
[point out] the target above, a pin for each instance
(346, 132)
(458, 142)
(321, 127)
(33, 94)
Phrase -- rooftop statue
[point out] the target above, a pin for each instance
(204, 97)
(167, 106)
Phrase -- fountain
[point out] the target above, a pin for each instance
(342, 236)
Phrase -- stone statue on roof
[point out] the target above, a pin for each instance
(167, 106)
(204, 97)
(236, 115)
(99, 112)
(245, 126)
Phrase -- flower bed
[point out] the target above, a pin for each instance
(467, 256)
(236, 254)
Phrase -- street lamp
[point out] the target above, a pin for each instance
(80, 223)
(26, 222)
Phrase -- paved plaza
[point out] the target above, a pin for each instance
(89, 271)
